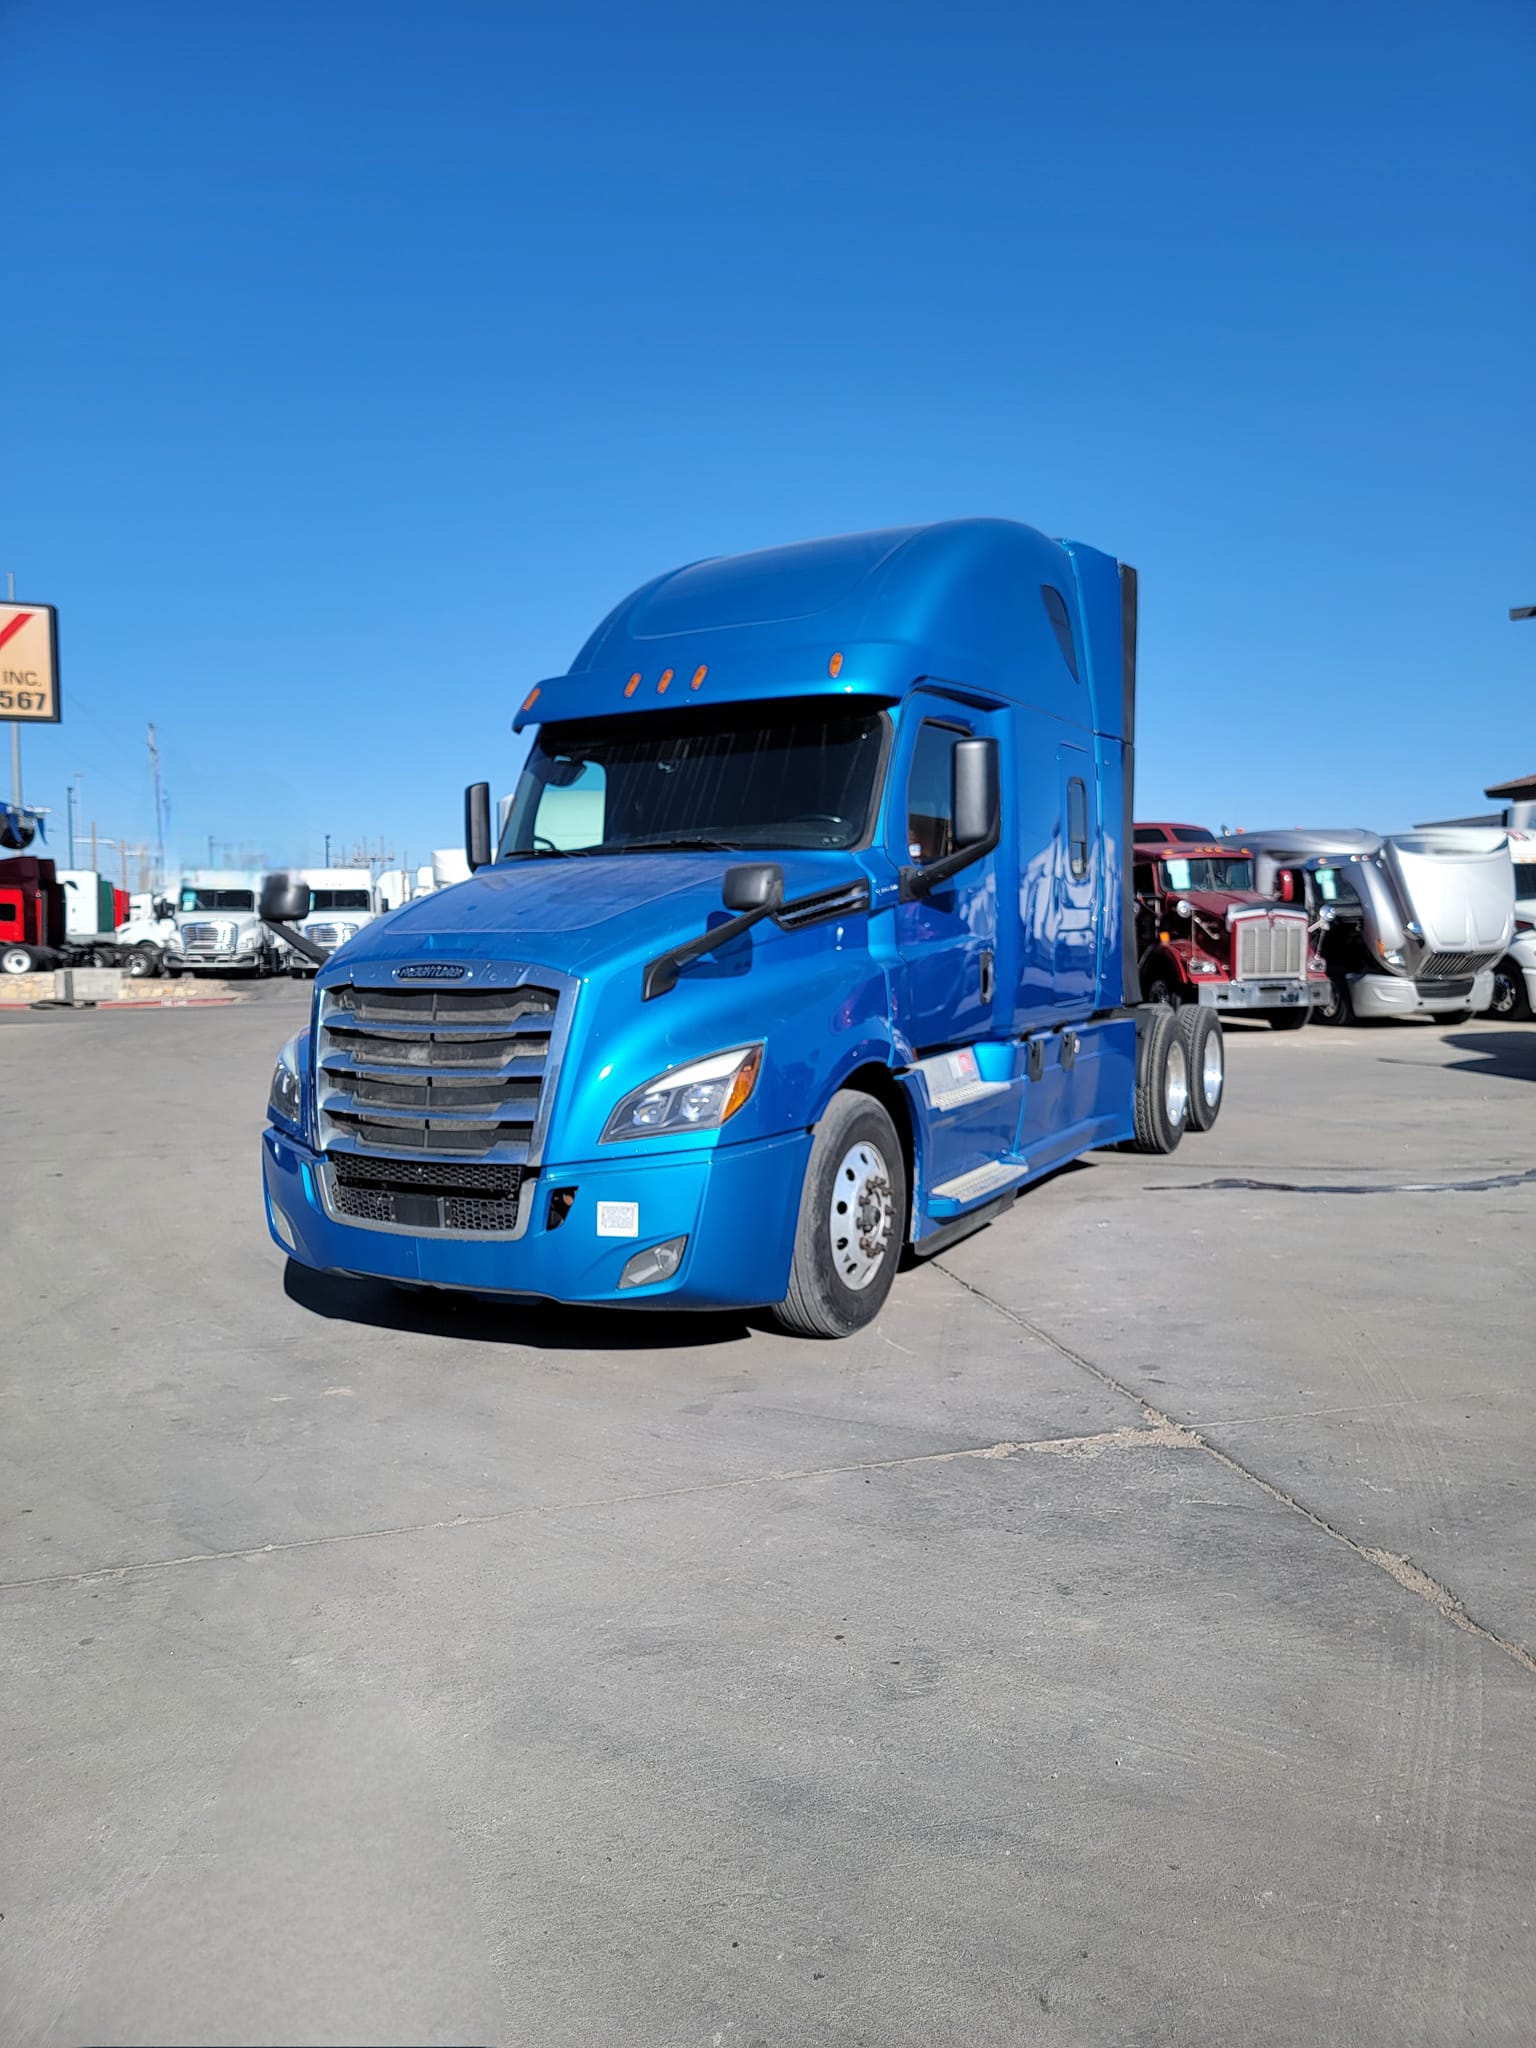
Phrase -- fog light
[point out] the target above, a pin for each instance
(280, 1226)
(660, 1262)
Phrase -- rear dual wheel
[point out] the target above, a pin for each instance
(1206, 1051)
(1162, 1105)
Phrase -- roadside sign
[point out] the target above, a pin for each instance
(29, 664)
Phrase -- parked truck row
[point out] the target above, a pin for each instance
(1338, 925)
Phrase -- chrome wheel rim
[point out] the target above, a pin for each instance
(1176, 1085)
(14, 961)
(1503, 995)
(861, 1215)
(1212, 1070)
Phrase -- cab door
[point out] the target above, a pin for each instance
(947, 940)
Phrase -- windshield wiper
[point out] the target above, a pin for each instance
(681, 842)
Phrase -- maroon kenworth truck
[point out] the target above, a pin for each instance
(1204, 934)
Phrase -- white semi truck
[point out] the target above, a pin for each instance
(341, 902)
(217, 928)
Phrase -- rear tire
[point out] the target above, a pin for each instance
(1338, 1006)
(1205, 1050)
(852, 1225)
(1162, 1081)
(1287, 1020)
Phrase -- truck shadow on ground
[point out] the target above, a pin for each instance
(1509, 1054)
(530, 1324)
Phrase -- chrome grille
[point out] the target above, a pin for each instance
(1452, 966)
(325, 934)
(462, 1073)
(1270, 949)
(214, 938)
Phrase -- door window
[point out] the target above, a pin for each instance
(930, 784)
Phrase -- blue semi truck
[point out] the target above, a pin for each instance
(807, 944)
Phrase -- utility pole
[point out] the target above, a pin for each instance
(71, 798)
(327, 849)
(94, 868)
(10, 598)
(154, 770)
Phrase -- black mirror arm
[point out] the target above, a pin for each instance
(301, 942)
(917, 882)
(661, 973)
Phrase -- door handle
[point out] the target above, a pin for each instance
(988, 976)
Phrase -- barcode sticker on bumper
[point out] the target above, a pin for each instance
(618, 1219)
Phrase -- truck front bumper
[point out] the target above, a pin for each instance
(1252, 995)
(213, 963)
(1395, 995)
(737, 1206)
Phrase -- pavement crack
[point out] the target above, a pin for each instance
(1158, 1432)
(1401, 1570)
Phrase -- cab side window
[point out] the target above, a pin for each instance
(930, 781)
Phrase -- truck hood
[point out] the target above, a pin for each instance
(1463, 896)
(577, 914)
(1215, 903)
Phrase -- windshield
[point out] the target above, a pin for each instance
(1208, 873)
(338, 899)
(783, 775)
(1525, 881)
(218, 899)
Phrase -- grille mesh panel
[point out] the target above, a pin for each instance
(1267, 949)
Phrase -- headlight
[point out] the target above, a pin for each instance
(248, 942)
(1392, 958)
(285, 1102)
(698, 1097)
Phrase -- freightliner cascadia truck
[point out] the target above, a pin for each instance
(808, 941)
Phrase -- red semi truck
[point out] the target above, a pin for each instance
(34, 922)
(1205, 935)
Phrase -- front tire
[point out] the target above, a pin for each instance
(16, 960)
(1162, 990)
(1287, 1020)
(1205, 1049)
(1510, 1002)
(1337, 1006)
(1161, 1108)
(143, 963)
(853, 1209)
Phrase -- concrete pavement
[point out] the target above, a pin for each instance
(1127, 1641)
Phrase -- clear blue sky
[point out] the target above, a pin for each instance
(359, 356)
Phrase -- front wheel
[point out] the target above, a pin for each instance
(1337, 1006)
(16, 960)
(1205, 1050)
(1510, 1000)
(852, 1224)
(143, 963)
(1287, 1020)
(1162, 990)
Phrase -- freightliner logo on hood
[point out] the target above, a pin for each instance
(431, 970)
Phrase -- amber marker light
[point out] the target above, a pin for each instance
(744, 1083)
(532, 698)
(632, 685)
(835, 666)
(661, 687)
(698, 675)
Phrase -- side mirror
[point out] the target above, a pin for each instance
(974, 799)
(757, 885)
(284, 898)
(1287, 882)
(477, 825)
